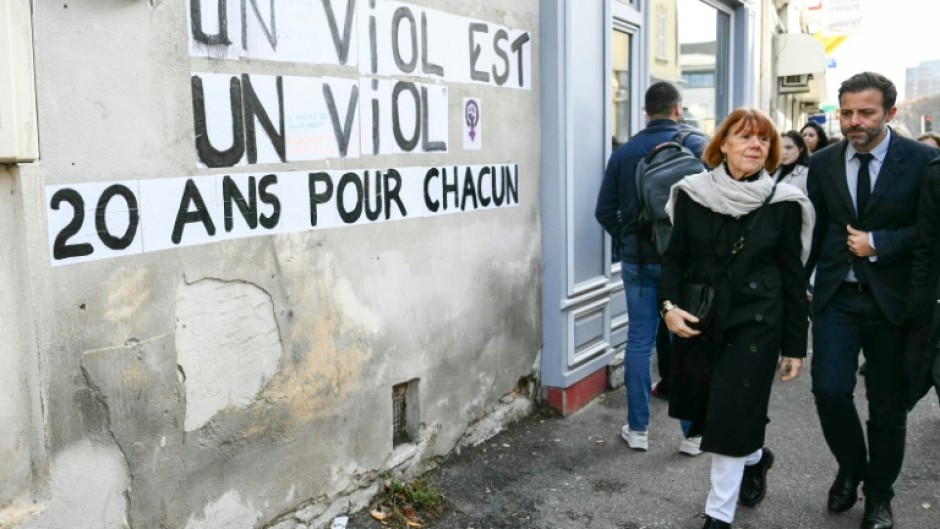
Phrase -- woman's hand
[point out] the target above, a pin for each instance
(676, 319)
(790, 367)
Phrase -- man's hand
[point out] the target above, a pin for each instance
(858, 243)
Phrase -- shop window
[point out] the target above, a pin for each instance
(620, 89)
(699, 80)
(704, 51)
(690, 45)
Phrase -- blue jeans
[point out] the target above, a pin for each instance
(639, 285)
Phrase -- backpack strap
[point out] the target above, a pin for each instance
(681, 135)
(684, 133)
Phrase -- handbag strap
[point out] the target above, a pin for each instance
(739, 244)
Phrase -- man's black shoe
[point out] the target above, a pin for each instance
(844, 491)
(711, 523)
(754, 483)
(877, 515)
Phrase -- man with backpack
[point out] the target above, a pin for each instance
(625, 216)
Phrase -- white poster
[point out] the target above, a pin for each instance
(313, 32)
(414, 40)
(102, 220)
(402, 116)
(383, 37)
(254, 119)
(93, 221)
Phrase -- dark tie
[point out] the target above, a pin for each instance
(863, 192)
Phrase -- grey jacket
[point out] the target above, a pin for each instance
(797, 177)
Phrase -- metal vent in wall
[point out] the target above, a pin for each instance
(404, 412)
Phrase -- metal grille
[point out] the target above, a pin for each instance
(400, 433)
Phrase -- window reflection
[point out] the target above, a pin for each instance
(620, 104)
(620, 89)
(690, 46)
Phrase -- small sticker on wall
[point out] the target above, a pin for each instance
(472, 124)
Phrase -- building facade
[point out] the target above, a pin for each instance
(259, 253)
(922, 80)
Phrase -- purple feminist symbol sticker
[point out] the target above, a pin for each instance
(471, 113)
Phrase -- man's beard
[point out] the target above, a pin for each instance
(870, 134)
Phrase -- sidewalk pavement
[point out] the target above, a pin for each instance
(550, 472)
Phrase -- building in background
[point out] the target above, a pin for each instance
(923, 80)
(801, 43)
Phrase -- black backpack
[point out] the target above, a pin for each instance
(668, 163)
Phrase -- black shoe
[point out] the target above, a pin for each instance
(711, 523)
(754, 483)
(844, 491)
(877, 515)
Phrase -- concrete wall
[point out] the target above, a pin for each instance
(245, 382)
(22, 448)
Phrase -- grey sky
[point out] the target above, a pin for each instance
(895, 35)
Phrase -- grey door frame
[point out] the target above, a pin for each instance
(582, 314)
(584, 320)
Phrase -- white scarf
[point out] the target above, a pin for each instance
(719, 192)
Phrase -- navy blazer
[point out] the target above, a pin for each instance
(890, 215)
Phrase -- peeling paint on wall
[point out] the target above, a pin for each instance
(130, 292)
(227, 344)
(331, 337)
(229, 512)
(239, 384)
(89, 482)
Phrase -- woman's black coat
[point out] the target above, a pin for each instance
(923, 310)
(721, 380)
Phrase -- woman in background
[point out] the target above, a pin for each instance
(814, 136)
(930, 138)
(794, 161)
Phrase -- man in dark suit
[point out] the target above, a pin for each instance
(865, 192)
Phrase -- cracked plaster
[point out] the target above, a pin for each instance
(228, 346)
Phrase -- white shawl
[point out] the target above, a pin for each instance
(719, 192)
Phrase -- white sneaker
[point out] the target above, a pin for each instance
(635, 440)
(691, 446)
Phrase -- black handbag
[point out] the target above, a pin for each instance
(698, 299)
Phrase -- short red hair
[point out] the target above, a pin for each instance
(748, 120)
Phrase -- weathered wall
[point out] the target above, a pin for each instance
(21, 444)
(216, 383)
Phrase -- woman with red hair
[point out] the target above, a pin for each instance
(741, 239)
